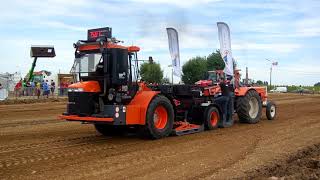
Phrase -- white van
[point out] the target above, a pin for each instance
(280, 89)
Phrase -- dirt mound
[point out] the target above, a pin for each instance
(303, 165)
(31, 101)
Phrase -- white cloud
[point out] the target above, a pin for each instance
(267, 47)
(179, 3)
(61, 25)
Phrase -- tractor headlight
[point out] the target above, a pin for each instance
(75, 90)
(78, 90)
(110, 97)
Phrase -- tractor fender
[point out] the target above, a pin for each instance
(136, 110)
(242, 91)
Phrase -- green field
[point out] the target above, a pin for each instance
(316, 89)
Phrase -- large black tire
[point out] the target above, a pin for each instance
(249, 107)
(109, 130)
(211, 118)
(271, 110)
(159, 118)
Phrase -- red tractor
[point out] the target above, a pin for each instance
(109, 95)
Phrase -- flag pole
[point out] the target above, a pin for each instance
(273, 63)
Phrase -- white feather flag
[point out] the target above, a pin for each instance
(225, 47)
(174, 50)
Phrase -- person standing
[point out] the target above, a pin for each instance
(17, 88)
(46, 89)
(300, 90)
(38, 89)
(61, 88)
(52, 87)
(24, 85)
(32, 85)
(226, 101)
(3, 94)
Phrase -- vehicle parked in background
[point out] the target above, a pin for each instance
(280, 90)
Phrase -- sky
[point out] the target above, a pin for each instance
(285, 31)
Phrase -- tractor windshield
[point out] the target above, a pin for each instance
(86, 64)
(212, 76)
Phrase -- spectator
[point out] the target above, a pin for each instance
(300, 90)
(52, 87)
(17, 89)
(24, 85)
(38, 89)
(33, 85)
(61, 88)
(46, 89)
(3, 93)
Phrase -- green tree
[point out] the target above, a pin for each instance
(317, 84)
(259, 82)
(194, 70)
(151, 72)
(215, 61)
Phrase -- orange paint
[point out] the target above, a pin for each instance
(137, 108)
(87, 86)
(133, 49)
(88, 47)
(78, 118)
(214, 118)
(161, 117)
(182, 126)
(242, 91)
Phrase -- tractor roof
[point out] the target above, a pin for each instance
(96, 46)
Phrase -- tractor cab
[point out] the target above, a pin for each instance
(106, 71)
(213, 78)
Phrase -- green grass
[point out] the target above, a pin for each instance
(294, 88)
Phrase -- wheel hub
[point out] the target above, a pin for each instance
(160, 117)
(272, 111)
(254, 107)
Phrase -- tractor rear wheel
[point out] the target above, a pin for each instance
(249, 107)
(271, 110)
(159, 118)
(211, 118)
(109, 130)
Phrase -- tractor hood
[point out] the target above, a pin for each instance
(87, 86)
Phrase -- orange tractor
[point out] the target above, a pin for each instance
(109, 95)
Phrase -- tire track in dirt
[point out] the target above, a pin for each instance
(250, 149)
(34, 122)
(63, 151)
(54, 143)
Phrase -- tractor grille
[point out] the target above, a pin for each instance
(80, 103)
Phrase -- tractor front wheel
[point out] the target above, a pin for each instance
(159, 118)
(271, 110)
(212, 117)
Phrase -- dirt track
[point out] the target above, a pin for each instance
(34, 144)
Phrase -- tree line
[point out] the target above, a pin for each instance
(193, 70)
